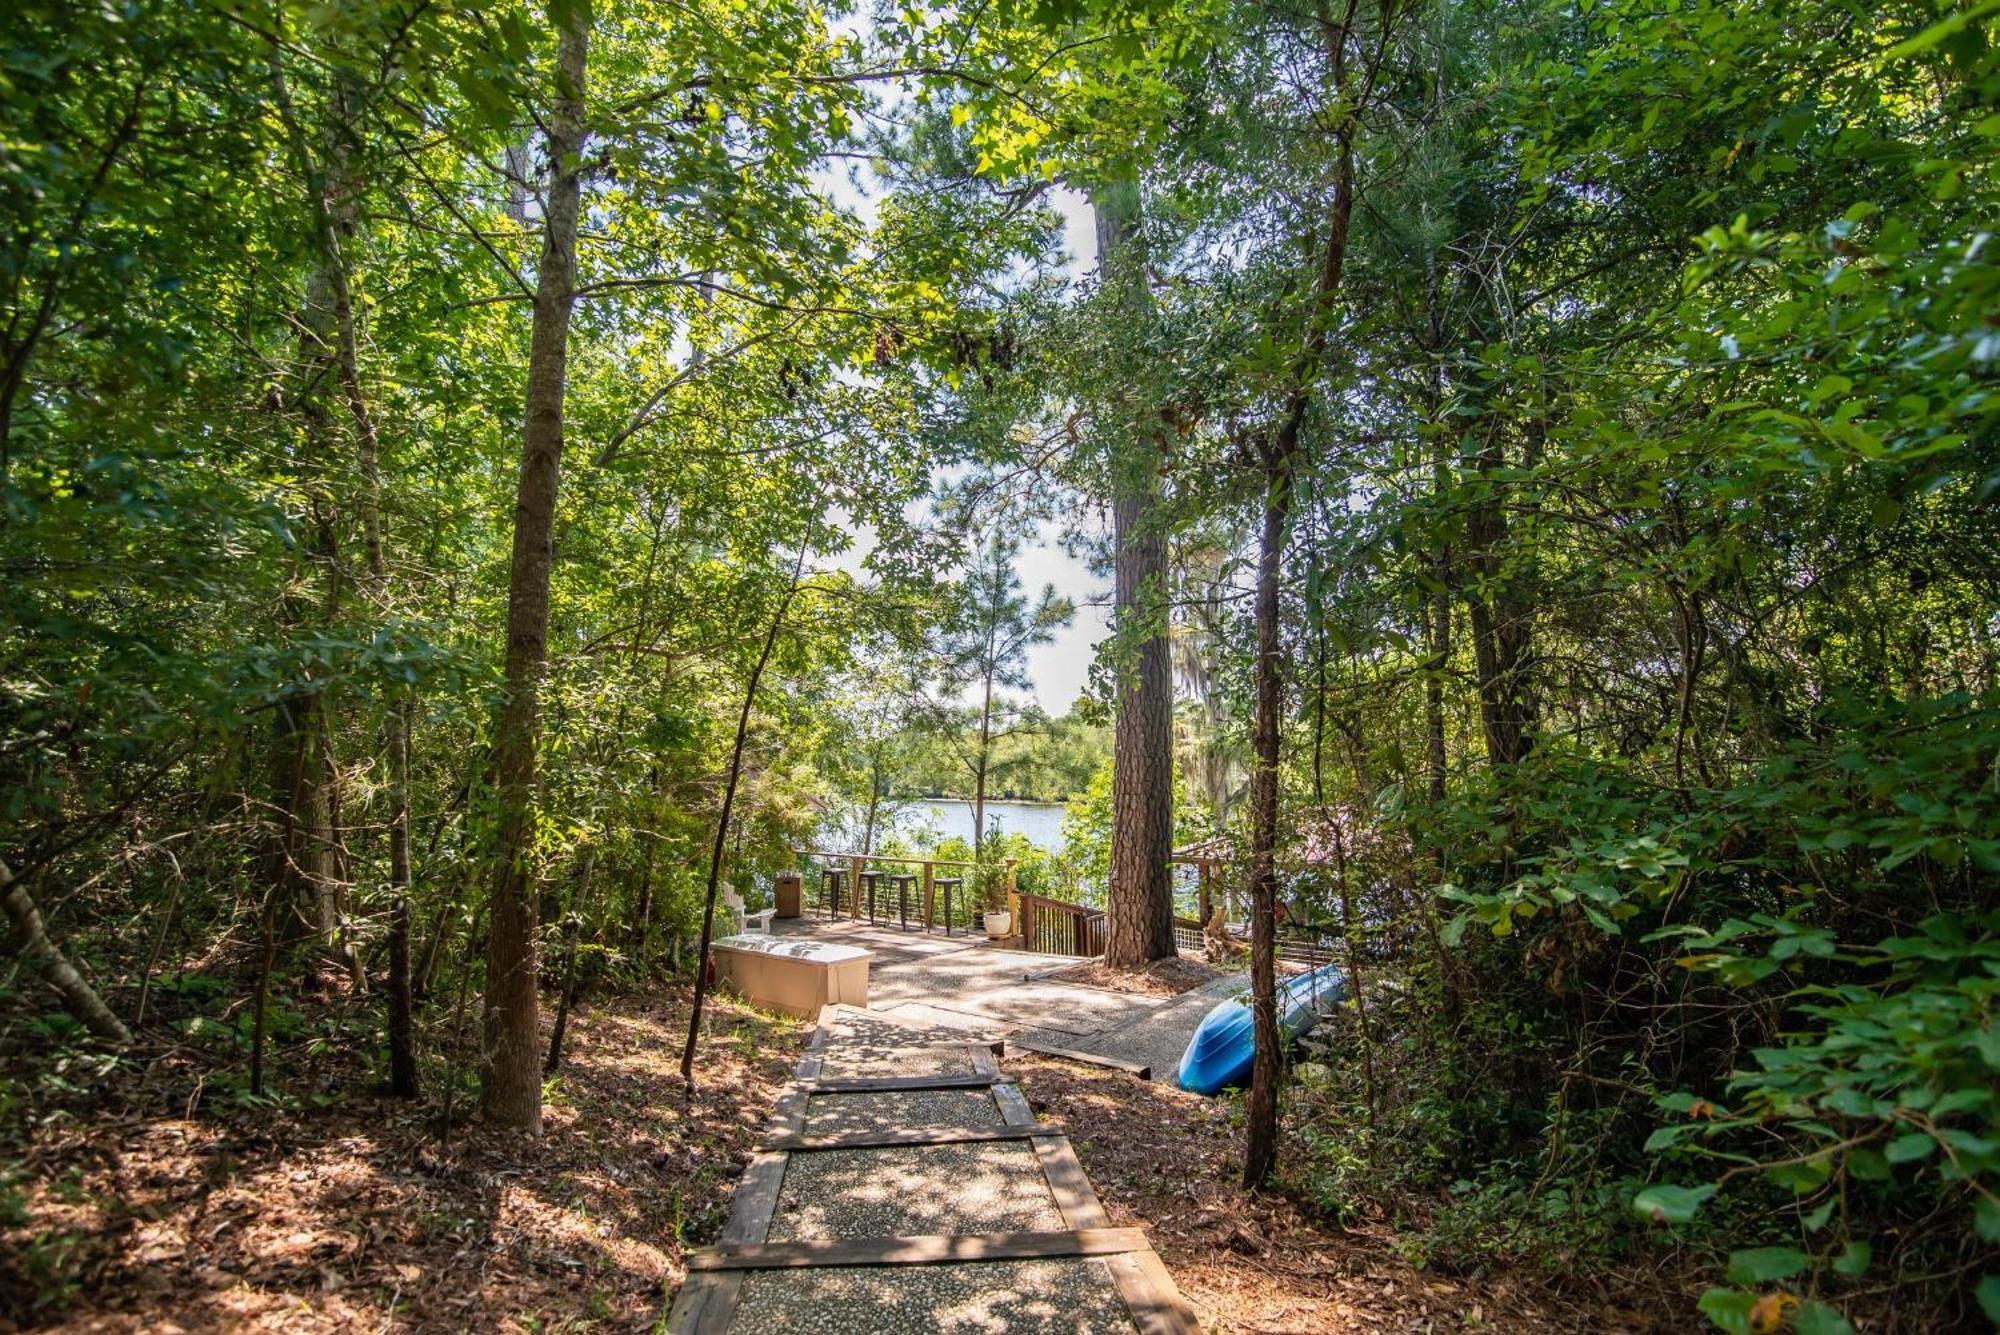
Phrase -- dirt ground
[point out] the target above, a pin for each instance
(1162, 978)
(1167, 1160)
(352, 1217)
(120, 1212)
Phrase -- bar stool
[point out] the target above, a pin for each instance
(831, 883)
(904, 882)
(868, 881)
(946, 885)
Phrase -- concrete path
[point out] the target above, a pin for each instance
(961, 984)
(905, 1185)
(1154, 1040)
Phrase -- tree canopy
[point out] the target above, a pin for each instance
(477, 481)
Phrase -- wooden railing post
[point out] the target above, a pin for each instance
(1014, 903)
(929, 869)
(854, 905)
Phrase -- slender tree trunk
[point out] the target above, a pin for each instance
(1349, 936)
(1139, 901)
(335, 213)
(511, 1084)
(1438, 618)
(31, 940)
(874, 804)
(403, 1079)
(267, 956)
(1261, 1144)
(722, 820)
(572, 965)
(1499, 617)
(980, 761)
(1280, 473)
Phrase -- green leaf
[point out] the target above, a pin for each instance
(1816, 1318)
(1854, 1259)
(1761, 1265)
(1668, 1204)
(1986, 1219)
(1940, 30)
(1988, 1294)
(1909, 1148)
(1729, 1309)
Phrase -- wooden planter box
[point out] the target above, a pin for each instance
(791, 975)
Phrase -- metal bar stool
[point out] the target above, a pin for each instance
(904, 882)
(869, 879)
(947, 884)
(831, 883)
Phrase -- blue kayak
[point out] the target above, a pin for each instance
(1219, 1054)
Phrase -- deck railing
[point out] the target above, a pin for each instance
(1058, 927)
(932, 908)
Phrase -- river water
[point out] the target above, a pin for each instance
(1040, 821)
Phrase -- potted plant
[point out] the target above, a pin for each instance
(998, 918)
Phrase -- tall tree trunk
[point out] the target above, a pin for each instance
(1139, 903)
(1281, 459)
(302, 760)
(1261, 1144)
(336, 209)
(31, 940)
(511, 1079)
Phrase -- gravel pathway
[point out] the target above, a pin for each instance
(852, 1196)
(832, 1114)
(1071, 1296)
(849, 1060)
(854, 1027)
(983, 1187)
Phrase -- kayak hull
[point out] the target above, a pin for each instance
(1224, 1045)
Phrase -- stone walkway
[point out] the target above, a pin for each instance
(905, 1185)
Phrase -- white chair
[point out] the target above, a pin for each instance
(746, 921)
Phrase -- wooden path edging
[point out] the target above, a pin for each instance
(1139, 1069)
(919, 1249)
(888, 1137)
(707, 1302)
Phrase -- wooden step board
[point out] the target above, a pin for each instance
(708, 1301)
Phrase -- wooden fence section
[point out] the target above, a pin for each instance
(1057, 927)
(1296, 945)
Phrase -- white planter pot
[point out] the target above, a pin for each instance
(999, 923)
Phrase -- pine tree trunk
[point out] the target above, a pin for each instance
(511, 1078)
(1139, 901)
